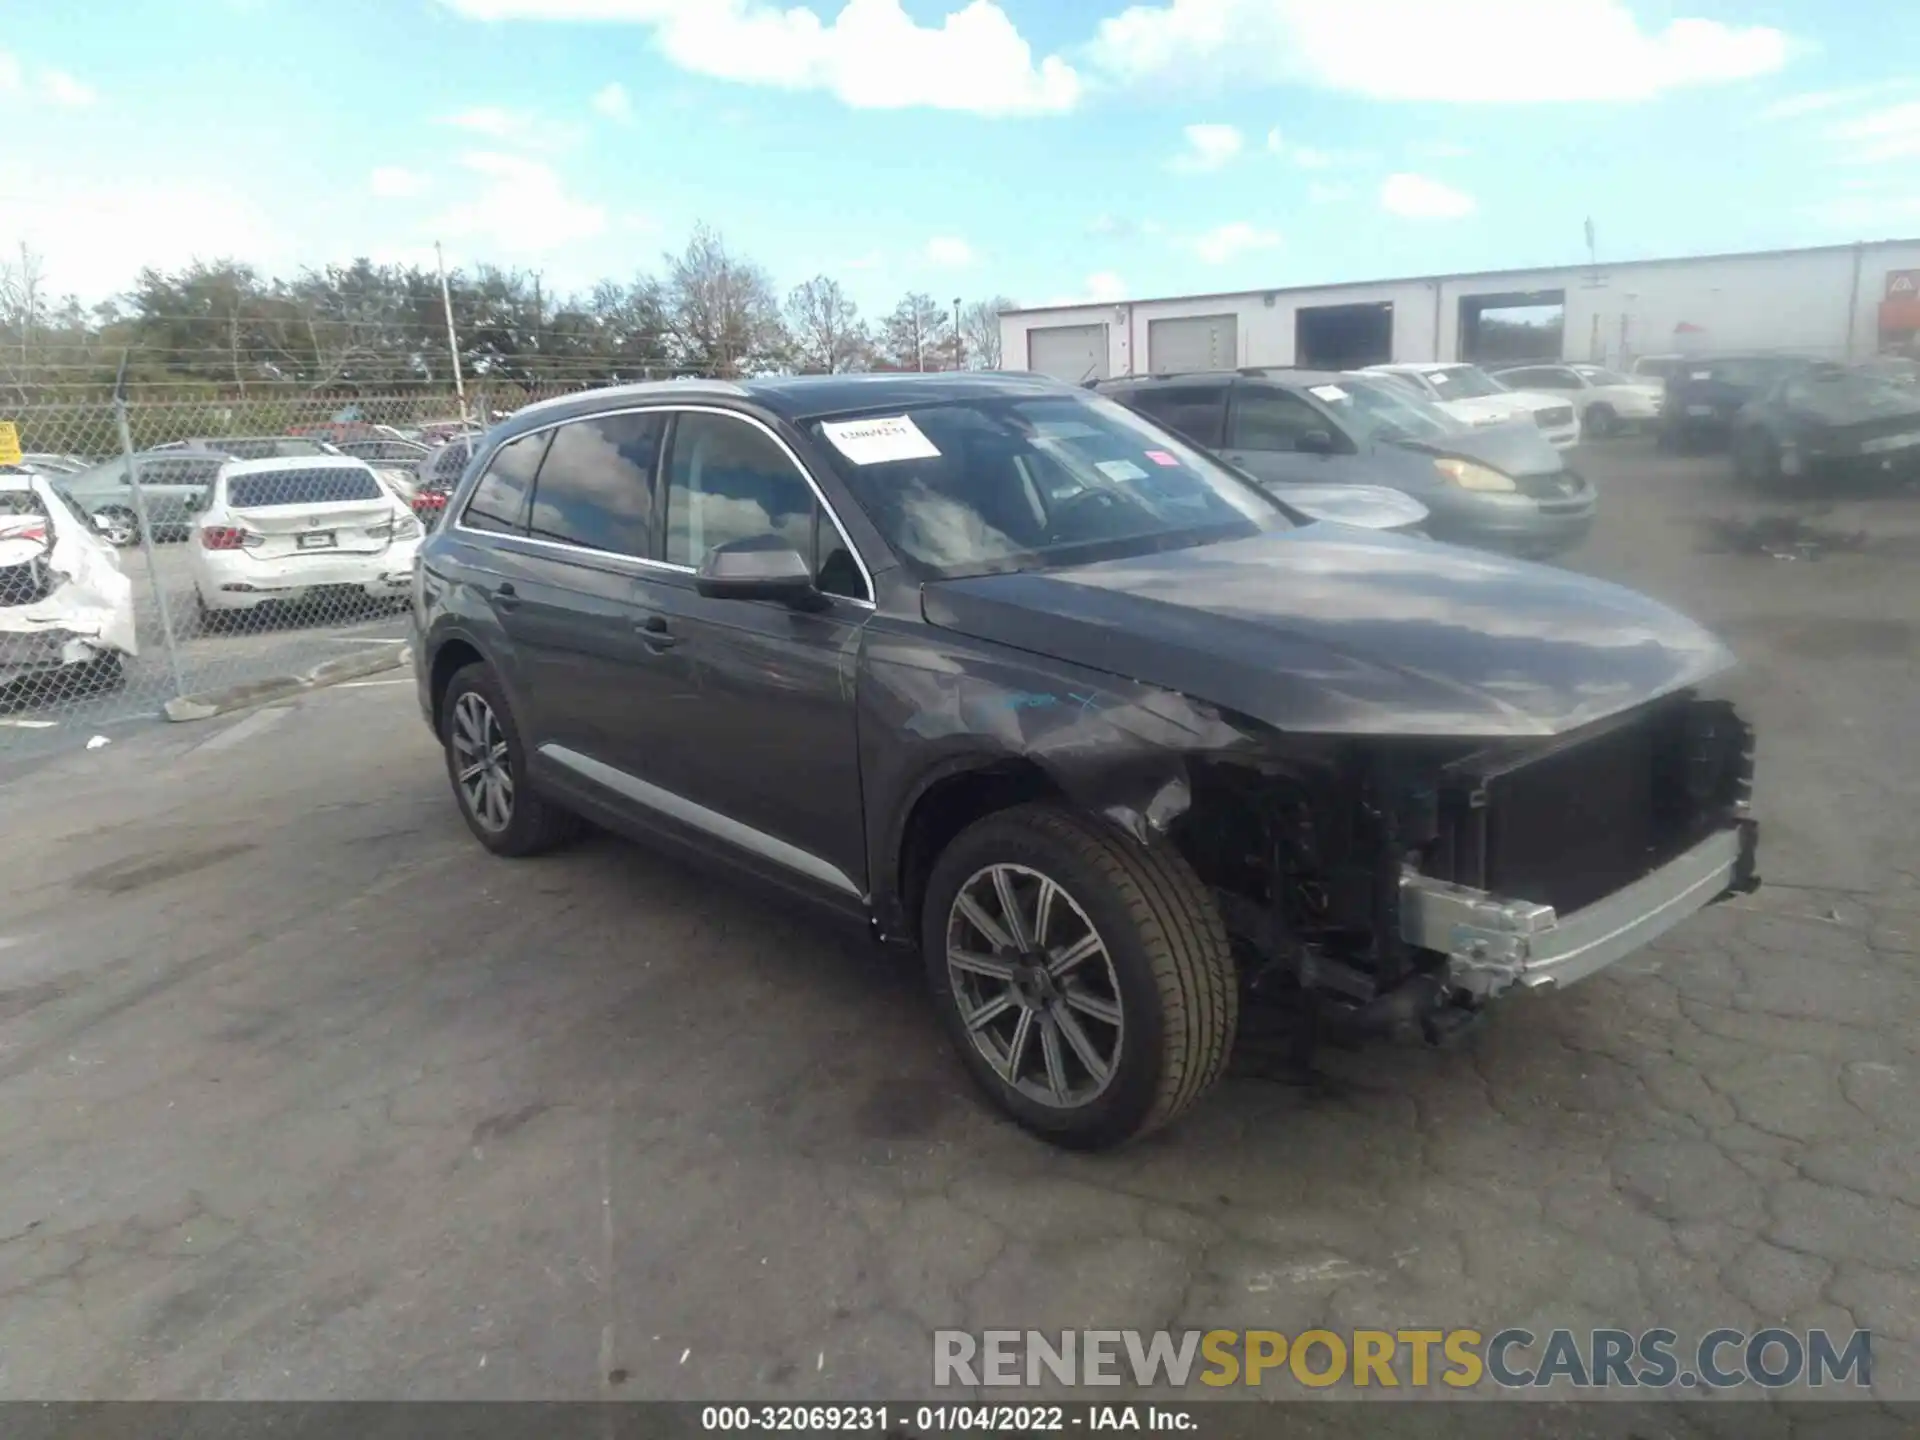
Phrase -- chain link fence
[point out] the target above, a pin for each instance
(156, 551)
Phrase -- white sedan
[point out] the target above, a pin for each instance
(1474, 397)
(66, 609)
(303, 528)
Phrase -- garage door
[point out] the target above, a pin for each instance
(1192, 342)
(1074, 353)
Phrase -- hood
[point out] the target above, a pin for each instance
(1514, 448)
(1530, 401)
(1331, 630)
(1488, 408)
(1365, 507)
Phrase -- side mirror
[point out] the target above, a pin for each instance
(759, 567)
(1316, 442)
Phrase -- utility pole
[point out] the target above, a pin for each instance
(453, 340)
(956, 332)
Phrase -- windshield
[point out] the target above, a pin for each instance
(1376, 412)
(1602, 377)
(978, 487)
(1463, 382)
(302, 487)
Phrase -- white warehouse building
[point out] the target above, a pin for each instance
(1838, 301)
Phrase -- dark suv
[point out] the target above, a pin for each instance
(1023, 681)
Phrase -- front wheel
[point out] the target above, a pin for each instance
(1756, 459)
(1086, 979)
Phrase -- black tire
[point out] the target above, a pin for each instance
(1756, 459)
(117, 516)
(534, 824)
(1171, 971)
(1601, 422)
(108, 673)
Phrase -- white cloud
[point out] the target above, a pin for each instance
(1209, 147)
(1421, 197)
(950, 251)
(1232, 240)
(53, 87)
(1892, 133)
(520, 207)
(613, 102)
(79, 227)
(394, 182)
(1470, 51)
(1103, 287)
(1322, 192)
(525, 128)
(62, 89)
(1817, 102)
(871, 55)
(1312, 157)
(1439, 150)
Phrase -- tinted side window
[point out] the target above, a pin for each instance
(727, 480)
(1199, 412)
(1265, 419)
(596, 487)
(501, 496)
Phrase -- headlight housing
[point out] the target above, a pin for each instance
(1469, 476)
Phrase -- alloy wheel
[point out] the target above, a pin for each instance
(1035, 985)
(482, 766)
(118, 528)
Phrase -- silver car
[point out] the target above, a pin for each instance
(172, 482)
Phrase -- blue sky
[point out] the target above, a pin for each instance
(1046, 151)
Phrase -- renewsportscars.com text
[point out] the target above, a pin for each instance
(1511, 1358)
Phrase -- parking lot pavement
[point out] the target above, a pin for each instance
(257, 647)
(301, 1094)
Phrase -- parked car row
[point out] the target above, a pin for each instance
(1502, 484)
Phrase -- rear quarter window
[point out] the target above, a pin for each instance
(499, 501)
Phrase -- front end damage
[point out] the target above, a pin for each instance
(63, 598)
(1400, 886)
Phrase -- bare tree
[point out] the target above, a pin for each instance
(828, 333)
(980, 328)
(22, 301)
(914, 333)
(721, 308)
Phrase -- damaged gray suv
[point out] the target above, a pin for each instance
(1113, 739)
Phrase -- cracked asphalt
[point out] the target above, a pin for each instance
(302, 1095)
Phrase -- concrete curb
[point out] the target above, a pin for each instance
(209, 703)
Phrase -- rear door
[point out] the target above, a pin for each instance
(605, 679)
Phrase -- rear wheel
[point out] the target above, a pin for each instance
(1756, 459)
(487, 764)
(1086, 979)
(1600, 421)
(118, 527)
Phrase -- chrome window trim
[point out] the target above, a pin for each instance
(690, 812)
(673, 408)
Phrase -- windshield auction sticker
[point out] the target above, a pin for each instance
(879, 442)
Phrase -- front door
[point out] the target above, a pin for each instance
(766, 740)
(1266, 427)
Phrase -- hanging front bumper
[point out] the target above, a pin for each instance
(1492, 943)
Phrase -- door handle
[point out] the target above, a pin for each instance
(655, 634)
(505, 597)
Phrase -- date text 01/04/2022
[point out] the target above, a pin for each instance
(942, 1419)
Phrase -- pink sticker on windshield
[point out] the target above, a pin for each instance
(1161, 457)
